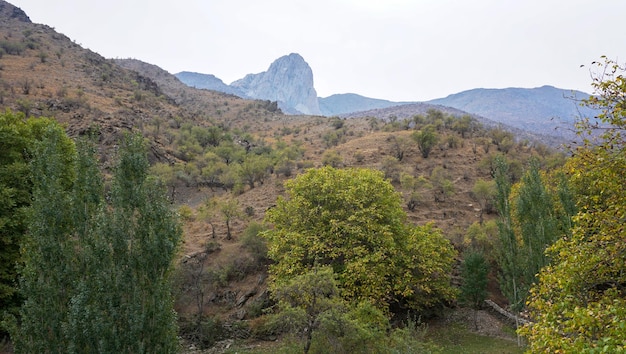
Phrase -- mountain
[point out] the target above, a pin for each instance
(208, 82)
(289, 81)
(546, 110)
(350, 102)
(8, 11)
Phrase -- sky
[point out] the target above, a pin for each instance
(399, 50)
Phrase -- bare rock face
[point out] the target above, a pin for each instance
(289, 81)
(9, 11)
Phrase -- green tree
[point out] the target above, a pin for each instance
(535, 215)
(255, 168)
(229, 209)
(464, 125)
(426, 139)
(474, 270)
(305, 299)
(579, 303)
(508, 248)
(96, 274)
(47, 274)
(483, 191)
(18, 137)
(352, 220)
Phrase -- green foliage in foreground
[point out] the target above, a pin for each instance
(96, 269)
(17, 141)
(579, 304)
(352, 221)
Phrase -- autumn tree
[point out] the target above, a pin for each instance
(352, 221)
(579, 303)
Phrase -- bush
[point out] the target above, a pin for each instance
(253, 242)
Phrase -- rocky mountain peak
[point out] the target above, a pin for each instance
(8, 11)
(289, 81)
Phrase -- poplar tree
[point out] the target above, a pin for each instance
(96, 268)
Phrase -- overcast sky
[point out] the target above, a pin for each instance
(401, 50)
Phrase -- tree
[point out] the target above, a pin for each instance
(474, 271)
(508, 247)
(255, 168)
(352, 220)
(579, 303)
(96, 273)
(305, 298)
(484, 192)
(442, 185)
(535, 215)
(464, 125)
(46, 248)
(18, 137)
(426, 139)
(230, 210)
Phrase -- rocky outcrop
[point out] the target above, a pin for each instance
(289, 81)
(9, 11)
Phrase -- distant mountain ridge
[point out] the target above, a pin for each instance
(546, 110)
(350, 102)
(288, 81)
(208, 82)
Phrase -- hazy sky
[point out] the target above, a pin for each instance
(408, 50)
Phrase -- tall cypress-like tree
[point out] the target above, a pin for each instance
(508, 250)
(47, 249)
(536, 215)
(96, 274)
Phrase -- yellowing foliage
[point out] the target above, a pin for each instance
(352, 221)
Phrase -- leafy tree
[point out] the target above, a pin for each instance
(412, 183)
(46, 248)
(229, 209)
(442, 185)
(535, 215)
(255, 168)
(332, 158)
(508, 248)
(352, 221)
(96, 274)
(305, 298)
(392, 169)
(579, 303)
(399, 146)
(474, 271)
(464, 125)
(18, 137)
(484, 192)
(426, 140)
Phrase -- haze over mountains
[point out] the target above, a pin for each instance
(289, 81)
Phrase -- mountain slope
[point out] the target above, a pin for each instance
(208, 82)
(545, 110)
(350, 102)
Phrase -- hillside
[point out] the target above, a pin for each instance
(347, 103)
(545, 110)
(202, 141)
